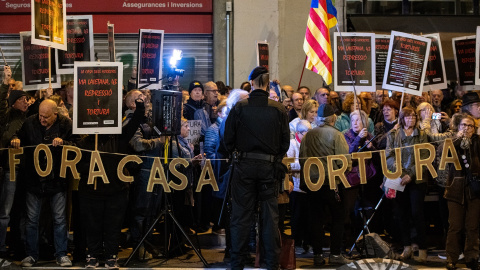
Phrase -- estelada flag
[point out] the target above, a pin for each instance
(321, 18)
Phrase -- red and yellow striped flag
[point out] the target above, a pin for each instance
(322, 17)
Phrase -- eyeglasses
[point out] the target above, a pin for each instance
(410, 117)
(324, 94)
(466, 126)
(214, 91)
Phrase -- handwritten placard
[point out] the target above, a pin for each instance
(464, 54)
(97, 98)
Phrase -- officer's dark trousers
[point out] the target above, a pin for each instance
(252, 181)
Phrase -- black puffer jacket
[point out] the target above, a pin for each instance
(33, 133)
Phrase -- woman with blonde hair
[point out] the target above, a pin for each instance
(308, 112)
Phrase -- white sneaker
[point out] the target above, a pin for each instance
(64, 261)
(28, 262)
(4, 262)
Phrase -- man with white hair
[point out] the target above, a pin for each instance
(211, 100)
(322, 141)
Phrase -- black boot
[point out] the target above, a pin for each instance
(473, 265)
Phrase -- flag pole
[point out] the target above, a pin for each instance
(351, 78)
(303, 69)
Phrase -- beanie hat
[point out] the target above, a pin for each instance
(325, 110)
(14, 95)
(193, 85)
(257, 72)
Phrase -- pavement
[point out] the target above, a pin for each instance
(212, 249)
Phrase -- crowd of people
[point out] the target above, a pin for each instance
(253, 127)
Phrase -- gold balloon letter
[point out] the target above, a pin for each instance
(157, 168)
(211, 181)
(72, 164)
(338, 172)
(398, 164)
(183, 178)
(453, 158)
(12, 160)
(121, 165)
(96, 160)
(362, 156)
(48, 154)
(321, 173)
(287, 161)
(424, 162)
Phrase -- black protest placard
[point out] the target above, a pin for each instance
(48, 23)
(354, 56)
(262, 54)
(381, 53)
(35, 73)
(97, 97)
(406, 63)
(436, 77)
(79, 43)
(150, 52)
(464, 52)
(111, 42)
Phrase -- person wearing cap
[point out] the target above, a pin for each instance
(471, 105)
(257, 135)
(12, 115)
(194, 109)
(323, 141)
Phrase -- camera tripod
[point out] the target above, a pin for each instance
(167, 211)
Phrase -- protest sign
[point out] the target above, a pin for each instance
(436, 77)
(97, 98)
(48, 23)
(381, 52)
(262, 54)
(195, 131)
(79, 43)
(464, 54)
(406, 63)
(35, 65)
(150, 54)
(477, 58)
(111, 42)
(354, 62)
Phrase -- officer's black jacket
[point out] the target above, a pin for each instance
(266, 118)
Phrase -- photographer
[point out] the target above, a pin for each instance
(257, 128)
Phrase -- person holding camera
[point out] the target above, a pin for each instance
(256, 128)
(462, 192)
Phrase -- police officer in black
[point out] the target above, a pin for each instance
(256, 131)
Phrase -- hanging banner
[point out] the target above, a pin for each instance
(79, 43)
(35, 65)
(111, 42)
(464, 55)
(354, 61)
(406, 63)
(150, 55)
(48, 23)
(97, 98)
(262, 54)
(436, 77)
(381, 52)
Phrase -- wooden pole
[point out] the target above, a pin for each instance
(303, 69)
(96, 149)
(49, 68)
(401, 101)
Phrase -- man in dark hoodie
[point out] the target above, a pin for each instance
(46, 127)
(12, 114)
